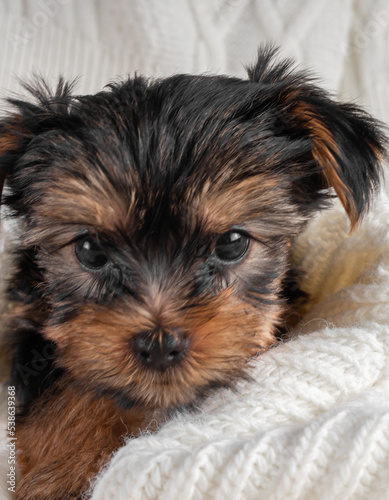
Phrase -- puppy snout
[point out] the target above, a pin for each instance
(160, 351)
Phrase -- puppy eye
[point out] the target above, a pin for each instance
(231, 246)
(90, 254)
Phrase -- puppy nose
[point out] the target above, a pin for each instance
(162, 351)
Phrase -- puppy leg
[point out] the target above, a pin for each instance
(65, 440)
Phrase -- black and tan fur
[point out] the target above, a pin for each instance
(154, 172)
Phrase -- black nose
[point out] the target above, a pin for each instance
(160, 350)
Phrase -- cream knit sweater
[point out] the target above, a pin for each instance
(344, 42)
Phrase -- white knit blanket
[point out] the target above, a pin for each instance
(314, 421)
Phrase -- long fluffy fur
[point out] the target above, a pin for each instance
(154, 172)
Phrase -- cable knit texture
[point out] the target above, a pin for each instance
(314, 421)
(344, 42)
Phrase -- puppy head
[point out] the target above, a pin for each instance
(158, 219)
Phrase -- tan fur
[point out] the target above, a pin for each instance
(259, 195)
(324, 150)
(60, 461)
(97, 346)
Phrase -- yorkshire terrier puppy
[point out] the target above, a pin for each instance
(154, 259)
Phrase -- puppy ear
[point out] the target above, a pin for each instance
(347, 146)
(11, 139)
(346, 143)
(30, 119)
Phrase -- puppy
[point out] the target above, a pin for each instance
(154, 258)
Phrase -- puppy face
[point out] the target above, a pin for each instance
(158, 220)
